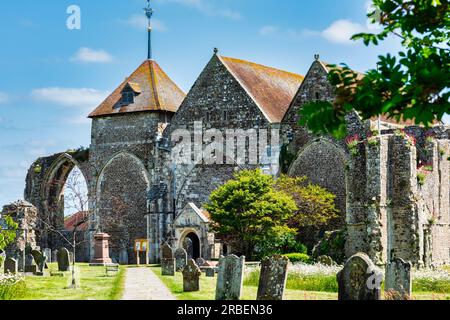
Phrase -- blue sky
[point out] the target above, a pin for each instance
(52, 77)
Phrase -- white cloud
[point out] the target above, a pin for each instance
(3, 97)
(140, 22)
(88, 55)
(70, 97)
(209, 7)
(268, 30)
(341, 31)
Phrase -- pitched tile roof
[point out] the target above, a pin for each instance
(272, 89)
(155, 91)
(75, 219)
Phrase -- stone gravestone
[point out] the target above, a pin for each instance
(326, 261)
(40, 261)
(231, 276)
(167, 261)
(272, 281)
(210, 272)
(30, 265)
(63, 260)
(398, 280)
(191, 277)
(11, 266)
(180, 259)
(360, 279)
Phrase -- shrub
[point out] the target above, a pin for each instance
(298, 257)
(12, 287)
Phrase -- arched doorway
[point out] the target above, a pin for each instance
(191, 244)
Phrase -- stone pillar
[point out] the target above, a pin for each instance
(356, 215)
(101, 250)
(403, 222)
(376, 194)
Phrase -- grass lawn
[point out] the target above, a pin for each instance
(208, 289)
(94, 285)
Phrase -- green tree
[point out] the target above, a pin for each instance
(7, 232)
(316, 206)
(250, 214)
(413, 85)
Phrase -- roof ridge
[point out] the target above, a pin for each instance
(153, 80)
(262, 65)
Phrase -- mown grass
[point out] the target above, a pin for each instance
(93, 285)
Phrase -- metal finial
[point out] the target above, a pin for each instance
(216, 50)
(149, 13)
(317, 56)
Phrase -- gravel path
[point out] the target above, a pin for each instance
(143, 284)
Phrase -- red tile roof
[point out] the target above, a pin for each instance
(156, 92)
(272, 89)
(73, 220)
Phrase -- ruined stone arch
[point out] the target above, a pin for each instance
(121, 203)
(52, 188)
(324, 162)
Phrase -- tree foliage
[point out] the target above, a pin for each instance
(412, 85)
(250, 214)
(8, 229)
(315, 205)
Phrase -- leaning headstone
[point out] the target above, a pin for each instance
(167, 261)
(30, 265)
(180, 259)
(63, 260)
(210, 272)
(191, 277)
(40, 261)
(272, 281)
(230, 279)
(360, 279)
(11, 266)
(398, 280)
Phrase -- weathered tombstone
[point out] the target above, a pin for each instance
(272, 281)
(210, 272)
(360, 279)
(180, 259)
(230, 279)
(123, 256)
(11, 266)
(30, 265)
(398, 280)
(167, 261)
(40, 261)
(191, 277)
(200, 262)
(63, 260)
